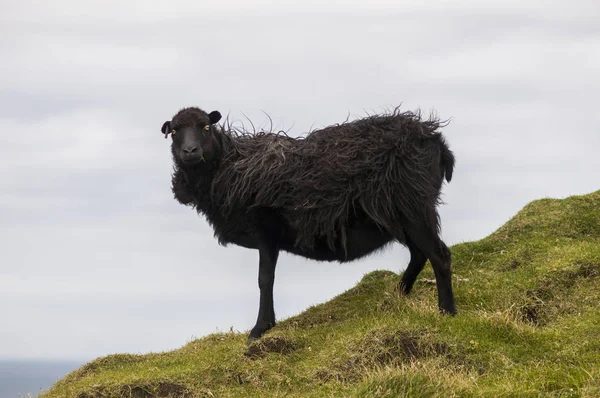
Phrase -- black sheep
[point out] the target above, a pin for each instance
(338, 194)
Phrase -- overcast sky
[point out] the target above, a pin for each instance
(98, 258)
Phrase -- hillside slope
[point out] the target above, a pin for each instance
(528, 298)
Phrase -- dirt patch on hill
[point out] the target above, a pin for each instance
(384, 347)
(268, 344)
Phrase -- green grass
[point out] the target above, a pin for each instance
(528, 298)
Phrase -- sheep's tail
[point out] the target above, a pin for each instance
(447, 161)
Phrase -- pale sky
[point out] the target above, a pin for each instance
(98, 258)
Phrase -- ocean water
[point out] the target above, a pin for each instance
(20, 378)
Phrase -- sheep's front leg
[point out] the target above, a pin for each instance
(268, 254)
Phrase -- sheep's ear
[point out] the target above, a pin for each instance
(214, 116)
(166, 127)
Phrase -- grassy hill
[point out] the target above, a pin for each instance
(528, 325)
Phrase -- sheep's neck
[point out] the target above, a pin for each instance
(191, 186)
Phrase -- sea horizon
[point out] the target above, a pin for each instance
(21, 378)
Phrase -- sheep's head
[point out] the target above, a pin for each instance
(194, 138)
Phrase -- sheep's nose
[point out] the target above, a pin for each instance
(190, 150)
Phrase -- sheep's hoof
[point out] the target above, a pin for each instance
(259, 330)
(251, 339)
(403, 288)
(449, 310)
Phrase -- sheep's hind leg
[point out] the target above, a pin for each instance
(268, 255)
(439, 255)
(415, 266)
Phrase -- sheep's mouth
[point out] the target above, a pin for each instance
(192, 159)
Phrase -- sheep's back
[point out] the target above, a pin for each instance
(386, 165)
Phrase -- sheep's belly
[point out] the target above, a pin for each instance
(360, 243)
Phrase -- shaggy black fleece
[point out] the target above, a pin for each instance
(388, 166)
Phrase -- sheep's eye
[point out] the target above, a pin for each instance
(173, 131)
(207, 127)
